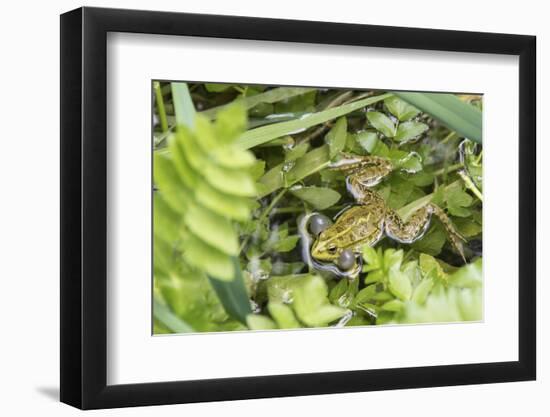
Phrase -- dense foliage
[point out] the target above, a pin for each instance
(236, 166)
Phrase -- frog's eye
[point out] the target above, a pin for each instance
(331, 248)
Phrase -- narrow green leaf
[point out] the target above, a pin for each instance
(457, 115)
(159, 99)
(232, 294)
(271, 96)
(265, 134)
(183, 104)
(165, 316)
(336, 138)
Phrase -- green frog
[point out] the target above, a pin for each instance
(367, 222)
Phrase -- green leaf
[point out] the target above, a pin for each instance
(467, 227)
(400, 109)
(183, 104)
(432, 242)
(308, 164)
(165, 219)
(212, 228)
(382, 123)
(409, 130)
(265, 134)
(286, 244)
(318, 197)
(469, 276)
(226, 205)
(393, 305)
(336, 138)
(231, 123)
(431, 268)
(204, 257)
(259, 322)
(270, 96)
(399, 284)
(422, 291)
(232, 294)
(216, 88)
(311, 303)
(372, 258)
(283, 315)
(297, 152)
(451, 305)
(368, 140)
(411, 163)
(163, 314)
(457, 115)
(457, 200)
(366, 294)
(167, 179)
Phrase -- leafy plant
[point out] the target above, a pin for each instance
(234, 179)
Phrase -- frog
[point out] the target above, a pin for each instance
(370, 219)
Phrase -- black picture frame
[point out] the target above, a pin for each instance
(84, 207)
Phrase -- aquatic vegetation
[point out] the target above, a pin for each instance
(287, 207)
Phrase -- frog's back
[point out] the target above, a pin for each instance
(360, 225)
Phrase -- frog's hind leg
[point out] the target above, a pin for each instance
(455, 238)
(411, 230)
(417, 225)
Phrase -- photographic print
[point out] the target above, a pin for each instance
(278, 207)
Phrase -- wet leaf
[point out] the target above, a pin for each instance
(409, 130)
(400, 109)
(382, 123)
(318, 197)
(336, 138)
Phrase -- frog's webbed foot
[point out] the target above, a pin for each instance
(417, 225)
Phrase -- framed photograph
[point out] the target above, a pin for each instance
(256, 208)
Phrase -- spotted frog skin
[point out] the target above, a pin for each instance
(367, 222)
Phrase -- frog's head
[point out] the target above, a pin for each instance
(325, 248)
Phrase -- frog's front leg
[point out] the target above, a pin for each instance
(362, 173)
(415, 227)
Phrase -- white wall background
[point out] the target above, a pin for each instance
(29, 225)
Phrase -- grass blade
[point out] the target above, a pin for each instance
(233, 295)
(160, 106)
(183, 104)
(271, 96)
(457, 115)
(265, 134)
